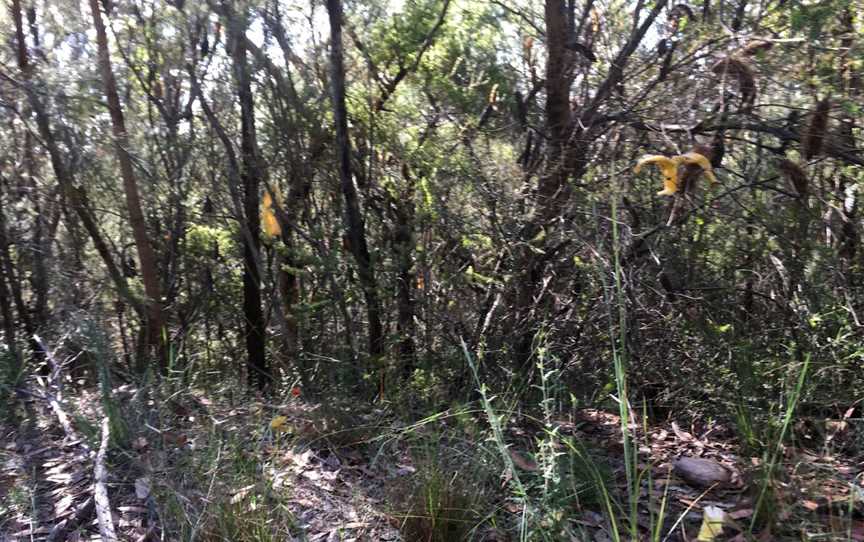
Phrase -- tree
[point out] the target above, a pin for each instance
(354, 224)
(251, 176)
(155, 331)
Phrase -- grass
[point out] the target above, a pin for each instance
(441, 507)
(455, 493)
(766, 499)
(254, 518)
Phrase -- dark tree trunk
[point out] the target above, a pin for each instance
(39, 249)
(250, 175)
(568, 146)
(553, 189)
(6, 304)
(403, 241)
(11, 275)
(353, 215)
(146, 255)
(289, 290)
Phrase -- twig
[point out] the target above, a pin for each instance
(100, 490)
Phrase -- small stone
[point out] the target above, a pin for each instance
(701, 472)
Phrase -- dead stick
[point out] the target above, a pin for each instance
(100, 490)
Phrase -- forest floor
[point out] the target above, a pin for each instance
(198, 468)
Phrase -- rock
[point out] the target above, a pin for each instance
(701, 472)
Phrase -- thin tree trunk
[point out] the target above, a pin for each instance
(146, 255)
(553, 189)
(404, 252)
(12, 276)
(251, 175)
(355, 226)
(568, 145)
(71, 197)
(39, 248)
(849, 238)
(8, 318)
(74, 197)
(289, 290)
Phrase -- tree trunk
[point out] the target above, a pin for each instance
(553, 189)
(353, 216)
(146, 255)
(9, 326)
(850, 237)
(39, 249)
(250, 174)
(568, 145)
(403, 241)
(289, 290)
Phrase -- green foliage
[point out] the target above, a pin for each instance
(812, 17)
(203, 240)
(102, 358)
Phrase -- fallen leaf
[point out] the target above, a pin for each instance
(810, 505)
(404, 470)
(741, 514)
(279, 423)
(134, 509)
(241, 493)
(522, 462)
(681, 434)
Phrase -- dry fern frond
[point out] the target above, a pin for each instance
(269, 223)
(697, 162)
(814, 135)
(743, 74)
(795, 175)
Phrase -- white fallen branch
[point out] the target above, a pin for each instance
(100, 490)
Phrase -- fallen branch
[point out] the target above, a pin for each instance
(100, 490)
(63, 418)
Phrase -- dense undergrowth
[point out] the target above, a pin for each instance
(534, 463)
(380, 269)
